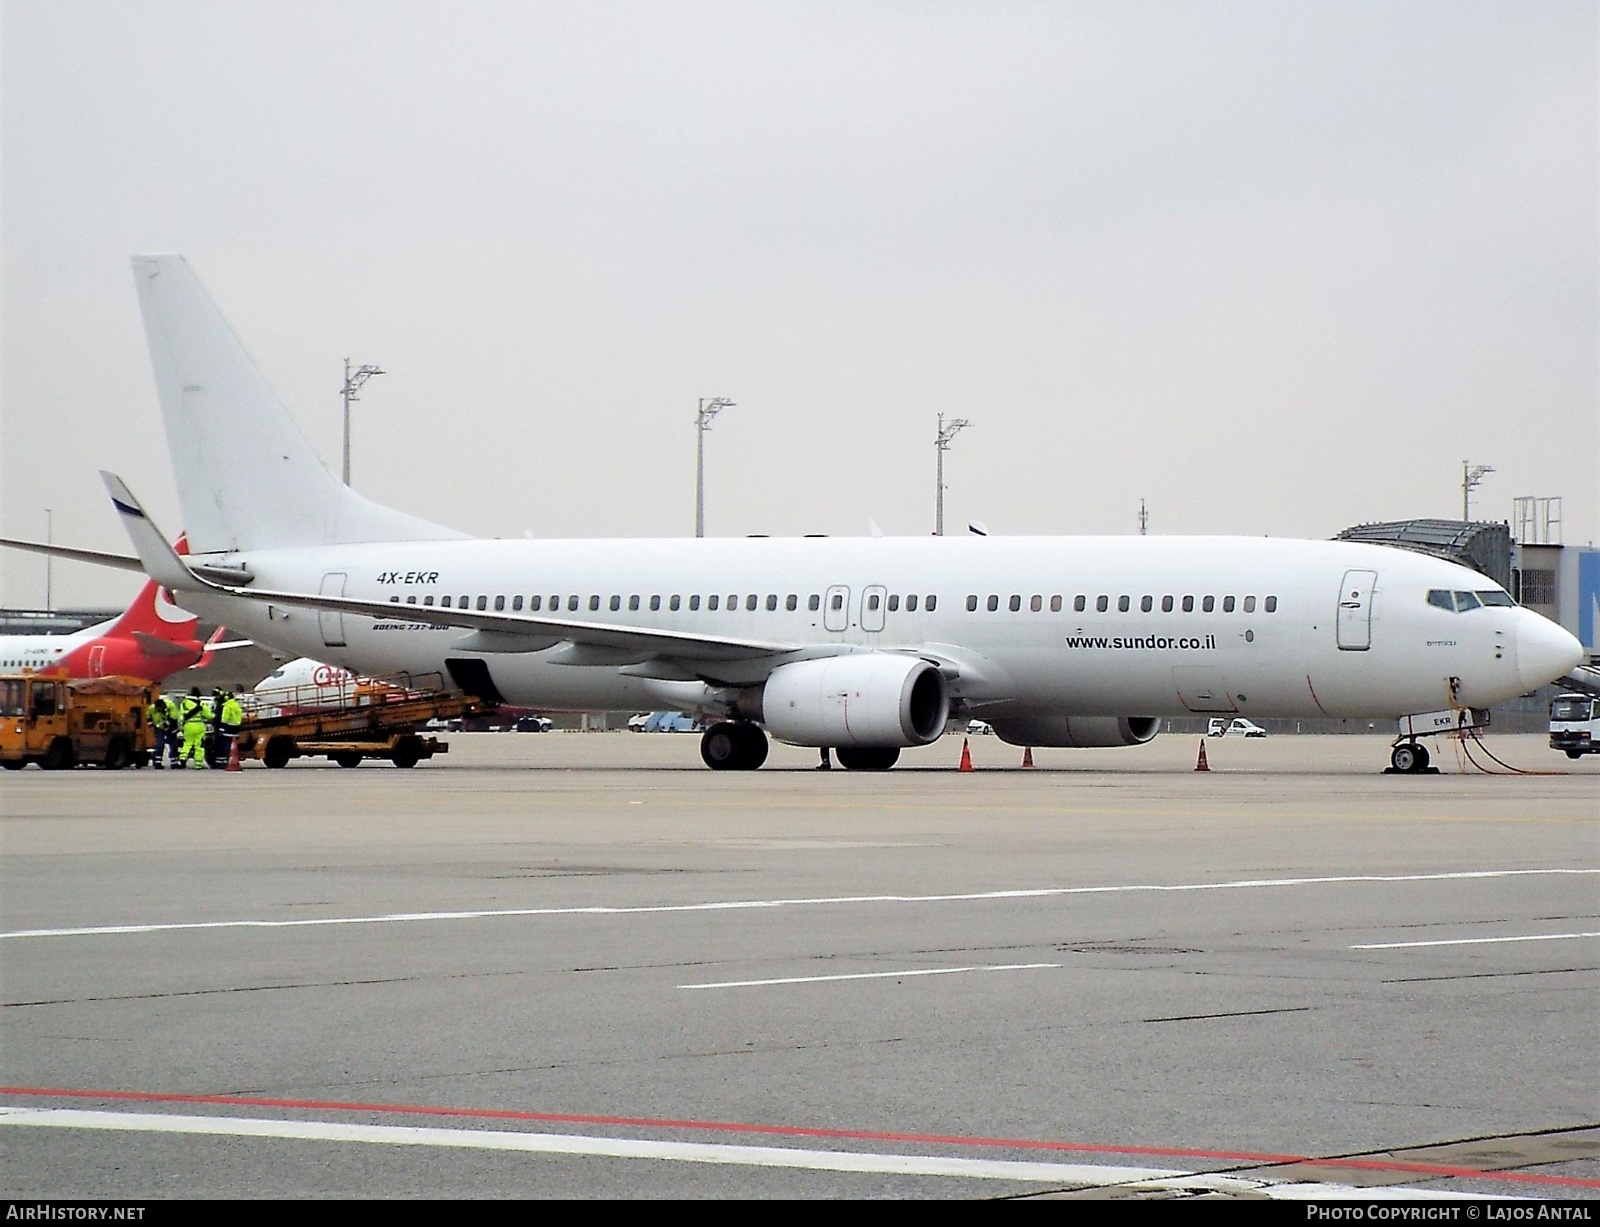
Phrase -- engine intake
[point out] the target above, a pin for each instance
(872, 699)
(1082, 732)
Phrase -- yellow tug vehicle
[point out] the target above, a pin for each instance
(60, 722)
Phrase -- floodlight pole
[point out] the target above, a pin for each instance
(1472, 476)
(709, 408)
(352, 385)
(941, 445)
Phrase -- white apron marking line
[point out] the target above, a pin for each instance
(1083, 1174)
(743, 904)
(1473, 941)
(873, 975)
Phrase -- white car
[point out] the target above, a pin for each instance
(1240, 727)
(977, 728)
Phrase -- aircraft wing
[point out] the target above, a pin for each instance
(122, 562)
(495, 632)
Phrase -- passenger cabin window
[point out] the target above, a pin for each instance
(1080, 603)
(1249, 604)
(535, 603)
(837, 603)
(499, 604)
(1227, 604)
(1102, 604)
(694, 601)
(444, 603)
(1166, 604)
(1271, 604)
(772, 602)
(516, 603)
(972, 604)
(733, 601)
(616, 604)
(1209, 604)
(791, 602)
(655, 603)
(894, 603)
(1055, 604)
(572, 604)
(427, 600)
(1147, 604)
(931, 603)
(751, 601)
(1188, 604)
(463, 602)
(1015, 603)
(1035, 604)
(911, 603)
(633, 603)
(994, 603)
(714, 602)
(673, 603)
(1122, 604)
(411, 600)
(814, 602)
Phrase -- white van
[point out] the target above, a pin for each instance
(1239, 727)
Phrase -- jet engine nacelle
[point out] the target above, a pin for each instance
(1082, 732)
(872, 699)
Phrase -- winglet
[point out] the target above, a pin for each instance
(157, 557)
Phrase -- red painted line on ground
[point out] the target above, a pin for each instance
(797, 1131)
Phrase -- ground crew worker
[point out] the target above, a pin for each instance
(230, 718)
(193, 716)
(164, 725)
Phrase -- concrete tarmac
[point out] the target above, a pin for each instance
(580, 965)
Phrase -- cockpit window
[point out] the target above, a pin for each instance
(1495, 597)
(1466, 601)
(1441, 598)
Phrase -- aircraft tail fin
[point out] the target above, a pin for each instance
(153, 615)
(247, 477)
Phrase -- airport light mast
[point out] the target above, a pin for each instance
(941, 445)
(709, 408)
(1472, 476)
(352, 385)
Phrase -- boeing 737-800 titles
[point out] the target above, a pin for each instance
(864, 645)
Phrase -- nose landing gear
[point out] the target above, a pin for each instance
(1409, 758)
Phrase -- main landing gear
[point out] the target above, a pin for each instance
(1409, 758)
(733, 746)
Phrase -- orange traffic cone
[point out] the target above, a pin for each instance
(1200, 763)
(1027, 756)
(233, 755)
(966, 756)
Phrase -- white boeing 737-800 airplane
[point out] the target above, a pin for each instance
(864, 645)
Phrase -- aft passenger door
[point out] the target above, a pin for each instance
(836, 608)
(329, 621)
(1355, 610)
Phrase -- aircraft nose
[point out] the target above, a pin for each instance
(1544, 650)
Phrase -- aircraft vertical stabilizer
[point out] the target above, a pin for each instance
(247, 477)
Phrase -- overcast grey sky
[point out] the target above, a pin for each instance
(1273, 267)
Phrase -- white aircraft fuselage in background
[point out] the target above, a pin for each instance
(866, 643)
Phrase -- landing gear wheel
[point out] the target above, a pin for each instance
(347, 758)
(752, 747)
(867, 758)
(1409, 758)
(59, 756)
(731, 746)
